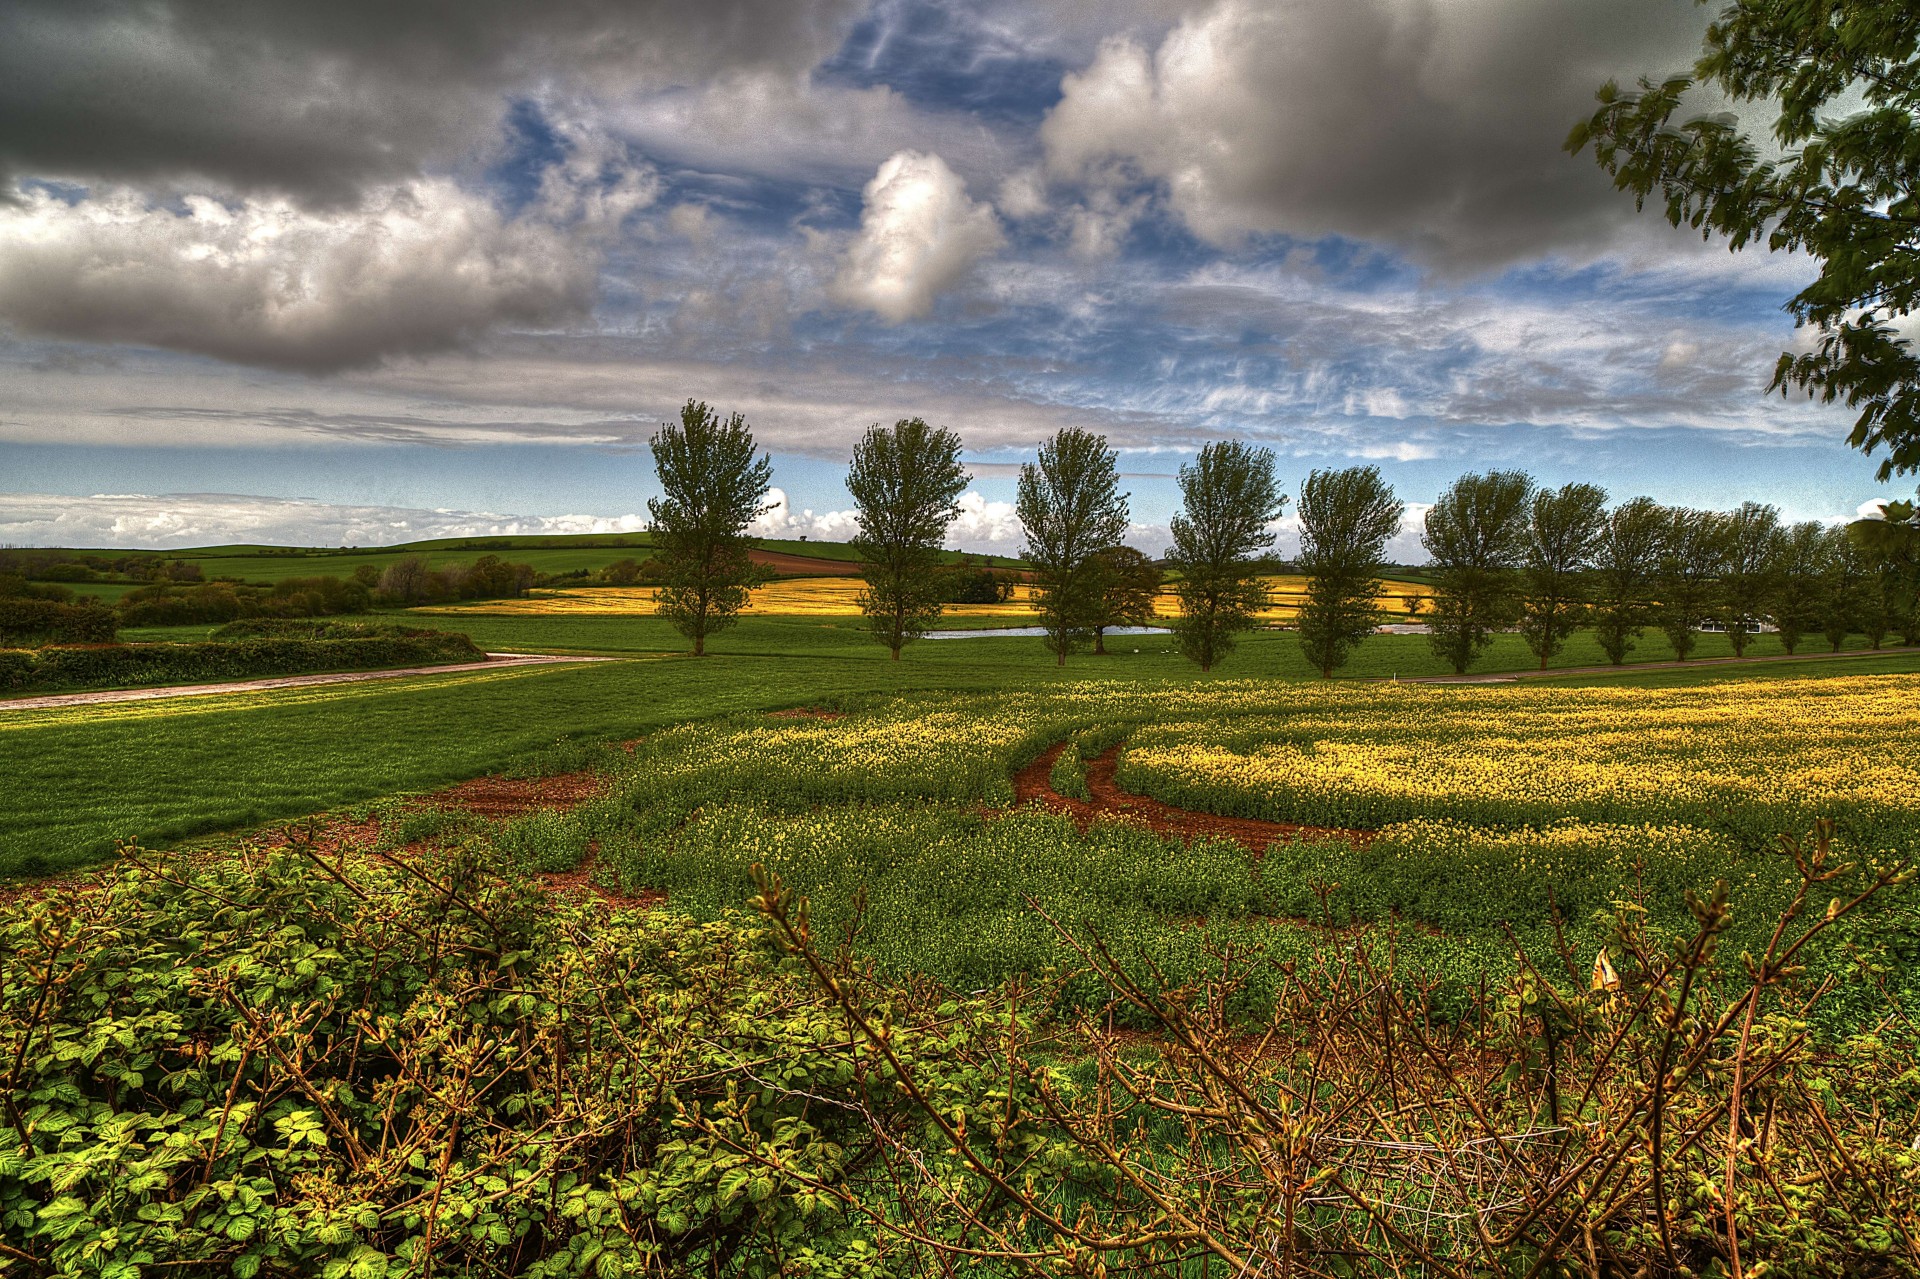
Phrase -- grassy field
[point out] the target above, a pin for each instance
(1494, 806)
(162, 771)
(558, 553)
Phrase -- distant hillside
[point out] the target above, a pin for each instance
(551, 554)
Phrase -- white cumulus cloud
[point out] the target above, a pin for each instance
(140, 521)
(779, 519)
(919, 234)
(983, 525)
(417, 266)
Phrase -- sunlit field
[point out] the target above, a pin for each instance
(840, 597)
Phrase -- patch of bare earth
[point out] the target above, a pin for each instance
(1034, 784)
(806, 712)
(493, 798)
(498, 798)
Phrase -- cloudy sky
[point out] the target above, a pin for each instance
(382, 269)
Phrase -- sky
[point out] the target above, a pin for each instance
(378, 270)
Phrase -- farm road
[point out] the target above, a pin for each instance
(494, 662)
(1635, 668)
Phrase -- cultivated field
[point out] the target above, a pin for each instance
(838, 596)
(846, 958)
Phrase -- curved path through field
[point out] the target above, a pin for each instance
(1034, 783)
(494, 662)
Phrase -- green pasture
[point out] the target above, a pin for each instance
(557, 553)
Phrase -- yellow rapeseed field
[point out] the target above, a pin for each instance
(840, 597)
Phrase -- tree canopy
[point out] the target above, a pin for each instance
(712, 488)
(1070, 506)
(904, 479)
(1230, 496)
(1346, 519)
(1837, 182)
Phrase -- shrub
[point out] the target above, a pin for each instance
(24, 620)
(366, 1071)
(135, 664)
(315, 628)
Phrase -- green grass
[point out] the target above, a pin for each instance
(84, 777)
(81, 778)
(559, 553)
(1898, 662)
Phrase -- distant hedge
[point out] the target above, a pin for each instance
(53, 669)
(24, 621)
(316, 628)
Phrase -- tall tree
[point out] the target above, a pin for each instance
(1751, 573)
(1795, 605)
(1626, 563)
(1893, 542)
(1476, 535)
(1692, 557)
(711, 488)
(1229, 497)
(1844, 567)
(1835, 181)
(1563, 531)
(1126, 591)
(1347, 518)
(904, 480)
(1070, 507)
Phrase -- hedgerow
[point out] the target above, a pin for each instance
(26, 620)
(46, 669)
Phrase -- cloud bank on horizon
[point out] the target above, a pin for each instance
(1342, 228)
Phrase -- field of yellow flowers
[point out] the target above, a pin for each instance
(1496, 809)
(839, 597)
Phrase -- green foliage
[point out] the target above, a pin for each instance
(1125, 591)
(1626, 566)
(1068, 776)
(1797, 585)
(1750, 580)
(974, 582)
(25, 620)
(712, 487)
(1693, 556)
(1477, 536)
(372, 1070)
(1229, 496)
(1346, 519)
(168, 603)
(1834, 181)
(904, 480)
(244, 658)
(1071, 508)
(1563, 531)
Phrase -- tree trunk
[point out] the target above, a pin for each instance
(700, 645)
(896, 652)
(1100, 640)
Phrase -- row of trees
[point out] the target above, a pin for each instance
(1506, 553)
(905, 481)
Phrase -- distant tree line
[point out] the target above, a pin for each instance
(1506, 554)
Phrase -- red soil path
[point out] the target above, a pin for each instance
(1034, 784)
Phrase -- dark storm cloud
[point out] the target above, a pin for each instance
(1431, 125)
(318, 100)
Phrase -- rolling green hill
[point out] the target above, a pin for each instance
(550, 553)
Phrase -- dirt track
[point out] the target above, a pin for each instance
(1035, 783)
(494, 662)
